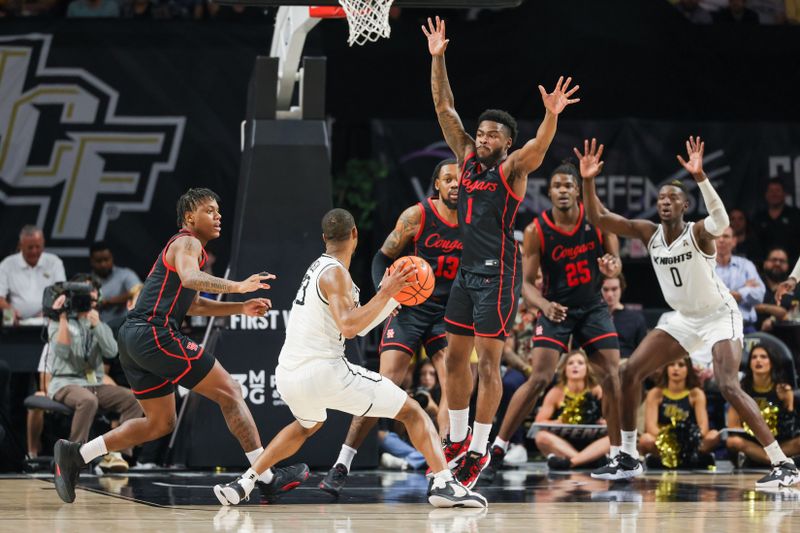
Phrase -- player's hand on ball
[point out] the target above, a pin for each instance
(256, 306)
(609, 265)
(254, 283)
(555, 312)
(398, 280)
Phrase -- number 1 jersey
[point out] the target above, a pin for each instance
(569, 261)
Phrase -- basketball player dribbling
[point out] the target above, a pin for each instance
(682, 254)
(156, 356)
(429, 230)
(485, 293)
(313, 375)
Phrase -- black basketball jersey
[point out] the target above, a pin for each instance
(569, 261)
(675, 407)
(163, 300)
(487, 207)
(439, 243)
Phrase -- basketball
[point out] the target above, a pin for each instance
(424, 281)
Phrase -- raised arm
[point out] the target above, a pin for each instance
(528, 158)
(531, 262)
(406, 229)
(186, 252)
(591, 165)
(455, 135)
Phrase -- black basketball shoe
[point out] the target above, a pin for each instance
(623, 466)
(234, 492)
(498, 455)
(451, 493)
(284, 480)
(784, 474)
(334, 480)
(68, 464)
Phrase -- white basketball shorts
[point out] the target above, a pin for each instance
(694, 333)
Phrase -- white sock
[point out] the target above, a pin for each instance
(459, 424)
(267, 476)
(480, 437)
(776, 455)
(346, 456)
(629, 443)
(445, 474)
(614, 451)
(93, 449)
(248, 480)
(500, 443)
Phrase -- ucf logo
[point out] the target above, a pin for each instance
(67, 153)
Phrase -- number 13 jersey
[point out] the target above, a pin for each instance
(311, 331)
(439, 243)
(687, 276)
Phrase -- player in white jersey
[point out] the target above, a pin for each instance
(313, 374)
(682, 254)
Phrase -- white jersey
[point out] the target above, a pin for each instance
(687, 276)
(311, 332)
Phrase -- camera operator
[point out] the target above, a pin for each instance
(80, 342)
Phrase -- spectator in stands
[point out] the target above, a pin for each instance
(747, 244)
(93, 9)
(775, 271)
(735, 13)
(575, 399)
(138, 9)
(79, 345)
(116, 282)
(771, 390)
(630, 324)
(676, 421)
(693, 12)
(25, 274)
(769, 11)
(778, 224)
(741, 277)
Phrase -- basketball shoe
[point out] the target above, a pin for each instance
(470, 468)
(334, 480)
(68, 464)
(623, 466)
(784, 474)
(451, 493)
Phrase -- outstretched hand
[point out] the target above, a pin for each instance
(609, 265)
(256, 306)
(556, 101)
(591, 165)
(437, 42)
(398, 279)
(254, 283)
(694, 149)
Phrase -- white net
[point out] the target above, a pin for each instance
(368, 20)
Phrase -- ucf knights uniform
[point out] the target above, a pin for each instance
(572, 279)
(439, 243)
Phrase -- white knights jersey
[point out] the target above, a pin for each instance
(311, 332)
(687, 276)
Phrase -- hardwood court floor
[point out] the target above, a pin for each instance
(525, 500)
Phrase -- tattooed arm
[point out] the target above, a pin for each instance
(456, 137)
(407, 227)
(185, 255)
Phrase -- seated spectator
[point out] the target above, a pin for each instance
(676, 421)
(79, 345)
(693, 12)
(775, 398)
(747, 244)
(630, 324)
(93, 9)
(574, 400)
(775, 271)
(25, 274)
(778, 224)
(735, 13)
(116, 282)
(741, 277)
(425, 388)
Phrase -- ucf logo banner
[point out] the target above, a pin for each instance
(67, 153)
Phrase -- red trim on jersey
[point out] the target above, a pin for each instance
(439, 215)
(503, 322)
(505, 182)
(599, 337)
(490, 335)
(599, 235)
(151, 389)
(403, 346)
(464, 165)
(174, 300)
(158, 300)
(541, 233)
(155, 337)
(458, 324)
(436, 338)
(561, 231)
(541, 338)
(421, 222)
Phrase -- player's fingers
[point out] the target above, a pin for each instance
(542, 91)
(264, 286)
(577, 153)
(600, 152)
(572, 91)
(558, 84)
(574, 101)
(593, 146)
(681, 161)
(566, 84)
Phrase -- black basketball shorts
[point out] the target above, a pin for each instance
(155, 359)
(414, 326)
(483, 304)
(590, 326)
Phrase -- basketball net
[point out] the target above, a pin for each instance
(368, 20)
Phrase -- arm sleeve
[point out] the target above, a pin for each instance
(717, 219)
(385, 312)
(380, 263)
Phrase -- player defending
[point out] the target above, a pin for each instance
(570, 253)
(313, 374)
(484, 296)
(156, 356)
(682, 254)
(430, 230)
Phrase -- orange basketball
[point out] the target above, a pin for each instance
(423, 281)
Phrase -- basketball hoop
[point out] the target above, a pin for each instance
(368, 19)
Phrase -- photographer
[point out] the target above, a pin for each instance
(80, 342)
